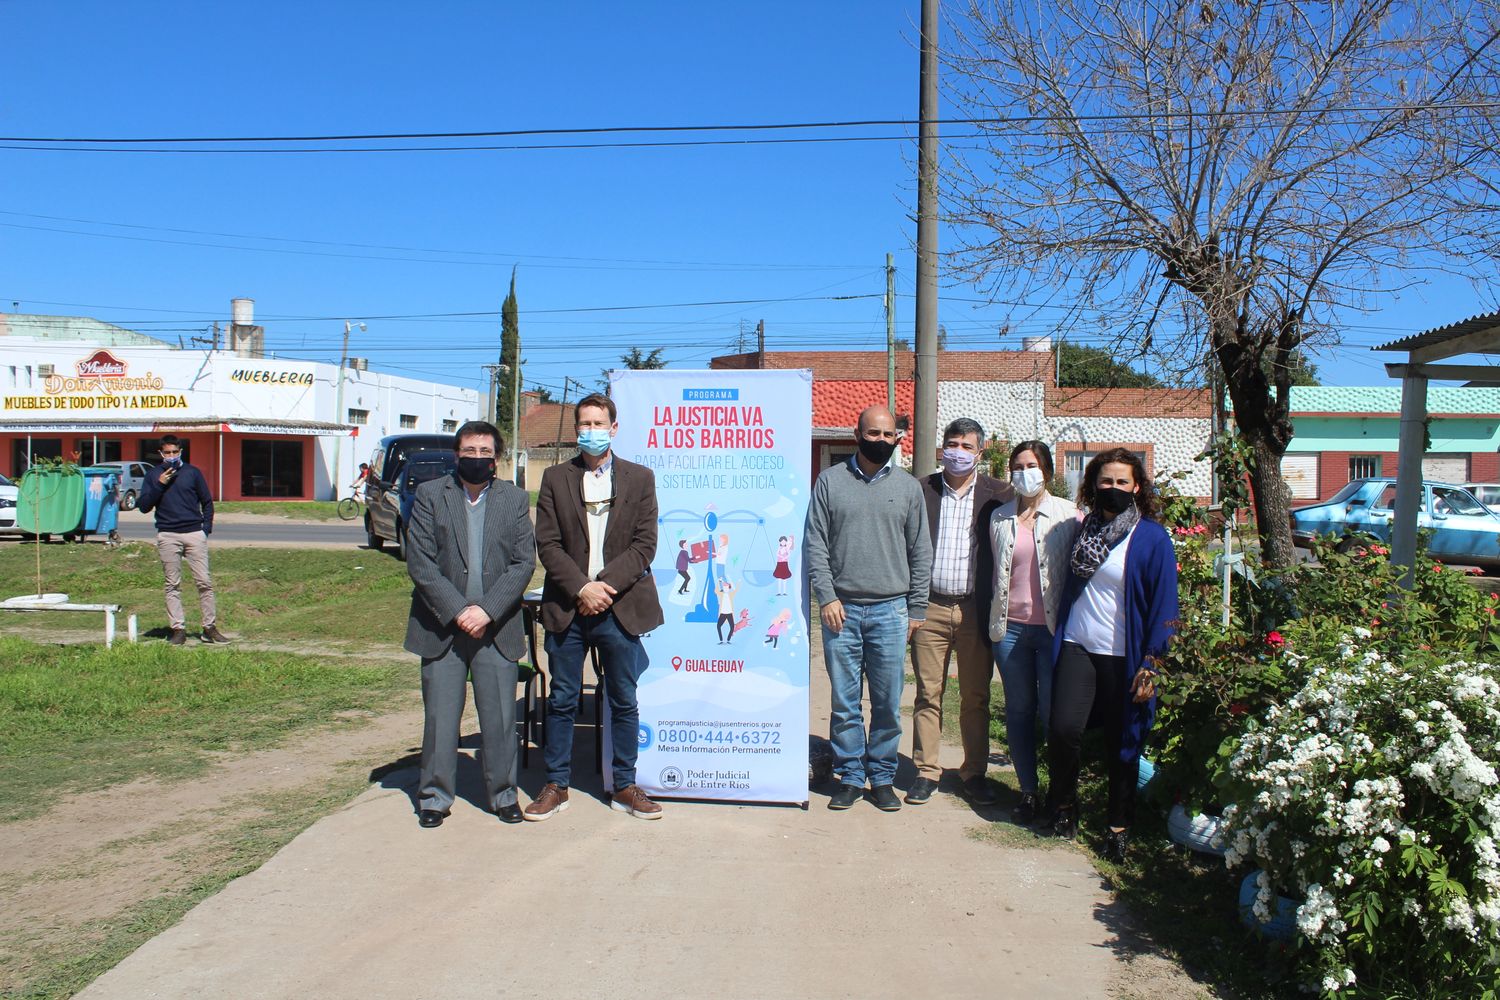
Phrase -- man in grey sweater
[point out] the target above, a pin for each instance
(870, 559)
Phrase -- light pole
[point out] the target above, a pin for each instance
(338, 404)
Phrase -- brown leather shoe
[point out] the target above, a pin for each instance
(178, 637)
(631, 799)
(212, 635)
(552, 800)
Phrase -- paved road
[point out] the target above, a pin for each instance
(254, 529)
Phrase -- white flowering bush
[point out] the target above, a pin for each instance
(1371, 796)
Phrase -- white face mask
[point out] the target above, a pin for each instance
(1028, 482)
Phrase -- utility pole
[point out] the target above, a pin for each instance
(561, 413)
(338, 405)
(760, 343)
(515, 416)
(216, 336)
(924, 420)
(890, 334)
(494, 391)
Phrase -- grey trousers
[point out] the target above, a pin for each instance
(443, 681)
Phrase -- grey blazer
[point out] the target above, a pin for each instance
(437, 557)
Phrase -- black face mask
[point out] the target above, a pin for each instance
(476, 471)
(1114, 501)
(877, 452)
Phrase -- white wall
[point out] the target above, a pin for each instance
(1016, 410)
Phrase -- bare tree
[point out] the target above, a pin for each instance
(1221, 181)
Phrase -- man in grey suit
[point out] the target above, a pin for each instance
(470, 552)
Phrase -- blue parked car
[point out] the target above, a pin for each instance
(390, 512)
(1463, 530)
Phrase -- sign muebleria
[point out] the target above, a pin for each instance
(103, 383)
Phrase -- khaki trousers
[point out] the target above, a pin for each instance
(173, 547)
(954, 625)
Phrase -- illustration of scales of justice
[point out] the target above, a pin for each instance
(707, 608)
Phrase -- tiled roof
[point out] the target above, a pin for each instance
(837, 402)
(1386, 399)
(539, 426)
(953, 366)
(1129, 402)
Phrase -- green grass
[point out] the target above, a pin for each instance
(308, 510)
(74, 717)
(351, 596)
(55, 969)
(339, 599)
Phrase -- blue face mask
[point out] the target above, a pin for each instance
(175, 460)
(594, 440)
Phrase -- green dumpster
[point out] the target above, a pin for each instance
(49, 502)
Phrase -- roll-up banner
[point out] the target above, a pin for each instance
(724, 702)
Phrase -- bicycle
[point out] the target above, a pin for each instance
(351, 506)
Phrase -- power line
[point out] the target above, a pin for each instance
(768, 126)
(509, 257)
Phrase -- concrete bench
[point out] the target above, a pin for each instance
(110, 610)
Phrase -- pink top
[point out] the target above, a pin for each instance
(1026, 604)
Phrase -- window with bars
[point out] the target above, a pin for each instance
(1364, 467)
(450, 425)
(408, 421)
(361, 417)
(1074, 462)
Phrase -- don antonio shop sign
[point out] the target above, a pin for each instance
(103, 382)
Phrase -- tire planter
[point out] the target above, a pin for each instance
(1145, 776)
(1282, 925)
(1198, 833)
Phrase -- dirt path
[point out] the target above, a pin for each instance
(94, 856)
(718, 900)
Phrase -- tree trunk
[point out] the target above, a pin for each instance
(1263, 418)
(1273, 502)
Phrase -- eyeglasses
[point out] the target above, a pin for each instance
(477, 453)
(169, 454)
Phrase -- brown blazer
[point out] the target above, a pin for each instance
(989, 495)
(562, 541)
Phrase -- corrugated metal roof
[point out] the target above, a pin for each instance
(1438, 335)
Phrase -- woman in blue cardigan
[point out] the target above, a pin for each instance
(1119, 609)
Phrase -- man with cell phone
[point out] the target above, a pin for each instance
(178, 492)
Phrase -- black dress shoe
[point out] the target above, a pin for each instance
(979, 791)
(509, 814)
(885, 799)
(1063, 823)
(1115, 844)
(921, 790)
(846, 796)
(1025, 810)
(429, 818)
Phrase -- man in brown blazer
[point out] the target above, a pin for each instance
(960, 499)
(596, 537)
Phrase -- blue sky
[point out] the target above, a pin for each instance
(162, 242)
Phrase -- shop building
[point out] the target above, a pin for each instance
(260, 428)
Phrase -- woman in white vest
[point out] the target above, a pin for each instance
(1032, 537)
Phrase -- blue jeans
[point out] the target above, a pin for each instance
(623, 660)
(1024, 657)
(870, 647)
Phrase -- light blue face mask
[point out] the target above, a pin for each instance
(594, 440)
